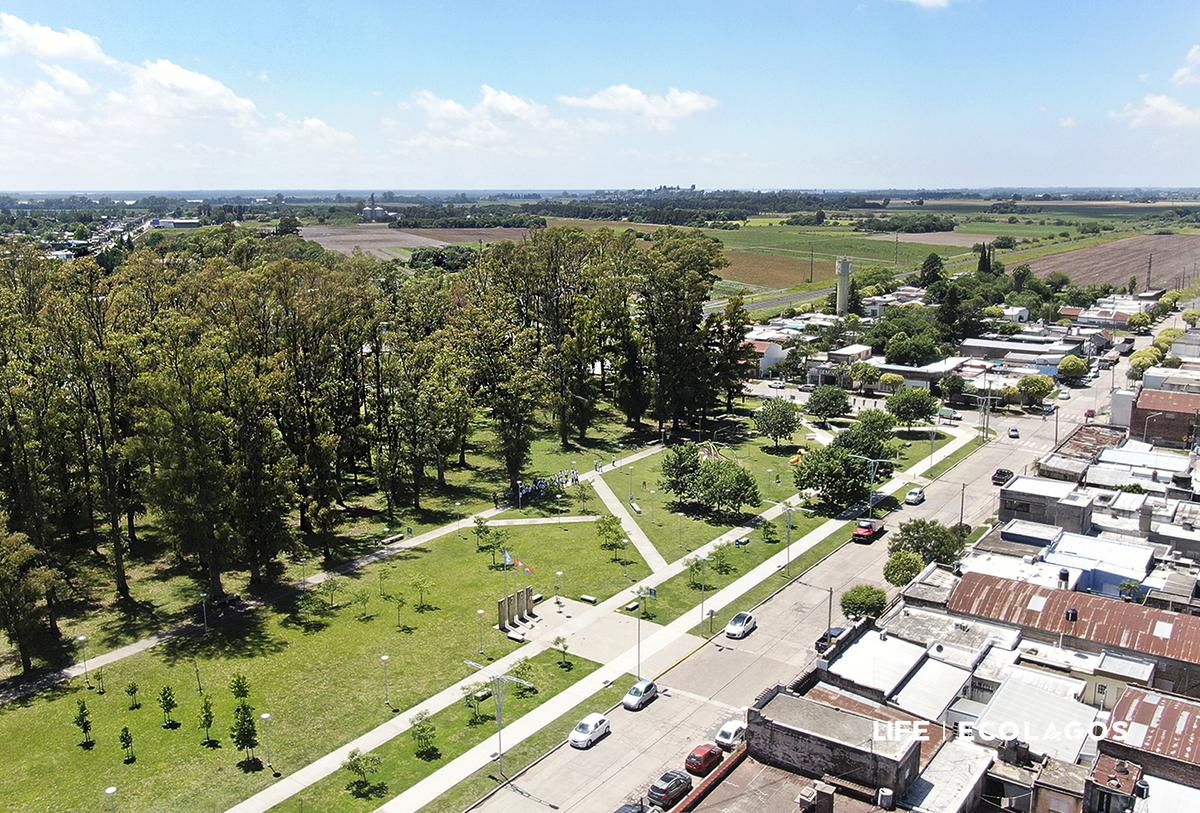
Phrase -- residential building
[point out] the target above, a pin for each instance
(1165, 417)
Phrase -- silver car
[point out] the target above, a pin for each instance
(639, 695)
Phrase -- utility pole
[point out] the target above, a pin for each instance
(1149, 268)
(896, 261)
(829, 625)
(810, 263)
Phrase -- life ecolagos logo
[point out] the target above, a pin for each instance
(903, 730)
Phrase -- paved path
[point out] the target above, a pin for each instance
(634, 531)
(389, 546)
(446, 777)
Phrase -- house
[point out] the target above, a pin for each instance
(769, 354)
(1166, 417)
(1012, 313)
(999, 348)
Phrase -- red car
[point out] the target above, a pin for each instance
(703, 759)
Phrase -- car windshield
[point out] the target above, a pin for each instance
(864, 523)
(583, 728)
(740, 619)
(635, 692)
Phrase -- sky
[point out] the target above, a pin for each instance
(561, 95)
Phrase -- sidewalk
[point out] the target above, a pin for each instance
(634, 531)
(467, 763)
(389, 546)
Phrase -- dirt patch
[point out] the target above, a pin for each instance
(1175, 257)
(938, 238)
(771, 271)
(380, 241)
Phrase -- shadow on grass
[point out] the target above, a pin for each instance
(250, 765)
(240, 635)
(480, 719)
(362, 789)
(430, 754)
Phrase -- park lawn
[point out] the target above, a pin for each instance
(457, 733)
(317, 671)
(919, 447)
(486, 779)
(680, 593)
(956, 457)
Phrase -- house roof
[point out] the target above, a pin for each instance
(1159, 724)
(1104, 621)
(1169, 401)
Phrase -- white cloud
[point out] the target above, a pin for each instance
(1143, 77)
(66, 79)
(1066, 122)
(310, 131)
(20, 37)
(929, 3)
(1189, 72)
(163, 90)
(498, 118)
(1159, 111)
(659, 111)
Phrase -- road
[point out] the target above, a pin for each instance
(773, 302)
(721, 679)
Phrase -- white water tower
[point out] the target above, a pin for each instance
(843, 285)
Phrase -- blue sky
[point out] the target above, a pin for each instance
(395, 95)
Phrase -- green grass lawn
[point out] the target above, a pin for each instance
(316, 670)
(458, 730)
(486, 779)
(919, 446)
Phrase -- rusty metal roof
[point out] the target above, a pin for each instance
(1169, 401)
(1161, 724)
(1104, 621)
(1118, 774)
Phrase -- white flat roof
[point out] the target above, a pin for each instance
(950, 778)
(1013, 567)
(1043, 486)
(878, 663)
(931, 689)
(1123, 558)
(1163, 461)
(1050, 724)
(1168, 795)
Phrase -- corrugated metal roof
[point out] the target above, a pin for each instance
(1160, 724)
(1169, 401)
(1102, 620)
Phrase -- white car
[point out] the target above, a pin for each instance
(639, 695)
(1064, 396)
(1014, 432)
(740, 625)
(589, 730)
(915, 496)
(777, 385)
(732, 733)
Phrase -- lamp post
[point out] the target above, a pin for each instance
(500, 684)
(1146, 425)
(643, 594)
(110, 798)
(204, 610)
(82, 639)
(558, 589)
(266, 720)
(480, 614)
(387, 692)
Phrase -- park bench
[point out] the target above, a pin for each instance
(482, 694)
(631, 606)
(588, 599)
(637, 509)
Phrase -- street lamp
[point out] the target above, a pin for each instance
(500, 684)
(480, 614)
(266, 720)
(387, 693)
(643, 594)
(1146, 425)
(558, 589)
(110, 797)
(204, 610)
(82, 640)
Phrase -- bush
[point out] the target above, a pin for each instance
(902, 567)
(864, 601)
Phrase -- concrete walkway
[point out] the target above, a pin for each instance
(634, 531)
(390, 546)
(504, 523)
(446, 777)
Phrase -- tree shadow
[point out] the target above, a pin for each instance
(362, 789)
(240, 635)
(87, 745)
(480, 719)
(129, 760)
(250, 765)
(429, 754)
(566, 666)
(171, 725)
(211, 743)
(426, 607)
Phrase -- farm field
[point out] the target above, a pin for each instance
(1175, 256)
(961, 239)
(380, 241)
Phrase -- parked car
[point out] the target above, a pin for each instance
(669, 789)
(1089, 413)
(1001, 476)
(915, 496)
(865, 530)
(1064, 395)
(950, 414)
(589, 730)
(732, 733)
(703, 759)
(827, 638)
(777, 385)
(639, 695)
(1014, 432)
(807, 387)
(740, 625)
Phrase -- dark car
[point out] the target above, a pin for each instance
(1001, 477)
(827, 638)
(703, 759)
(669, 789)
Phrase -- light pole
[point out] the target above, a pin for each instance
(500, 684)
(82, 639)
(387, 692)
(204, 610)
(480, 614)
(110, 798)
(558, 589)
(266, 720)
(703, 583)
(196, 667)
(643, 594)
(1146, 425)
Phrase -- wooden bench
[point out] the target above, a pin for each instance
(588, 599)
(637, 509)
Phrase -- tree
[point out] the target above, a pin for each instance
(837, 476)
(244, 730)
(1191, 316)
(1072, 368)
(778, 418)
(734, 358)
(1131, 589)
(725, 486)
(1035, 388)
(1021, 276)
(126, 740)
(871, 437)
(288, 225)
(827, 402)
(930, 540)
(424, 735)
(422, 584)
(912, 405)
(470, 693)
(560, 643)
(168, 703)
(83, 721)
(864, 601)
(1139, 321)
(679, 466)
(891, 381)
(362, 598)
(902, 567)
(239, 687)
(952, 386)
(207, 718)
(612, 536)
(131, 689)
(931, 270)
(363, 767)
(23, 584)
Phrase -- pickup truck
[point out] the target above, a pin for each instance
(865, 530)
